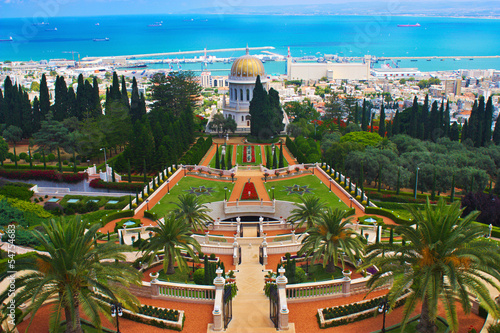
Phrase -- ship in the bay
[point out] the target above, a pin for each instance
(408, 25)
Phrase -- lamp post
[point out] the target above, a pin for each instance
(350, 199)
(117, 311)
(330, 180)
(225, 193)
(272, 188)
(383, 307)
(147, 204)
(168, 186)
(416, 183)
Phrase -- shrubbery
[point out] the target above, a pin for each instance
(129, 187)
(197, 151)
(43, 175)
(12, 190)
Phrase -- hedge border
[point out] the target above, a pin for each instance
(117, 215)
(386, 213)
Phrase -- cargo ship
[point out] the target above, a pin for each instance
(408, 25)
(101, 39)
(7, 40)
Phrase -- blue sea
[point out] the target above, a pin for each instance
(305, 35)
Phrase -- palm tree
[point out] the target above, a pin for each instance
(193, 211)
(170, 237)
(73, 273)
(329, 237)
(446, 259)
(308, 210)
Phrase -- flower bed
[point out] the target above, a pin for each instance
(130, 187)
(43, 175)
(249, 192)
(345, 314)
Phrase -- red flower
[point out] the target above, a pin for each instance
(249, 192)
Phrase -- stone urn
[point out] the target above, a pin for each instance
(154, 276)
(347, 274)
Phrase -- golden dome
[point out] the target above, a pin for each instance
(248, 66)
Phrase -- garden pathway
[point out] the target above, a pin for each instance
(251, 306)
(255, 176)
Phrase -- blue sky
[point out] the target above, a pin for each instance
(51, 8)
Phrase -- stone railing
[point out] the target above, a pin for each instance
(182, 292)
(318, 290)
(198, 169)
(156, 192)
(244, 207)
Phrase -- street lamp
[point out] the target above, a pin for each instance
(147, 204)
(168, 186)
(416, 183)
(350, 199)
(330, 179)
(117, 311)
(272, 188)
(225, 193)
(383, 307)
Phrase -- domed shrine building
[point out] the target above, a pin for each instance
(241, 81)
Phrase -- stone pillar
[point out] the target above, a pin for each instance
(281, 282)
(346, 284)
(294, 238)
(219, 294)
(264, 250)
(235, 251)
(207, 239)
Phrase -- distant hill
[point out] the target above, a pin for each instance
(417, 8)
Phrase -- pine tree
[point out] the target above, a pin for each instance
(281, 164)
(381, 126)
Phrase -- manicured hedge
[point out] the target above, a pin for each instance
(350, 212)
(122, 186)
(117, 215)
(150, 215)
(386, 213)
(43, 175)
(119, 224)
(40, 167)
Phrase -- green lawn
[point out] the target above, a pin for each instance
(167, 203)
(258, 157)
(314, 185)
(318, 273)
(212, 161)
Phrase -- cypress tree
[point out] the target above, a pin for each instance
(496, 132)
(96, 99)
(433, 192)
(398, 183)
(124, 95)
(488, 121)
(258, 106)
(135, 103)
(478, 142)
(361, 177)
(229, 153)
(60, 103)
(432, 124)
(275, 161)
(129, 171)
(71, 103)
(381, 126)
(413, 130)
(452, 195)
(440, 121)
(396, 124)
(454, 132)
(268, 158)
(446, 120)
(114, 91)
(281, 164)
(113, 177)
(356, 114)
(364, 122)
(223, 163)
(379, 177)
(465, 131)
(44, 97)
(217, 160)
(423, 124)
(144, 170)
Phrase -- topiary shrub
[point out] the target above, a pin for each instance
(65, 162)
(199, 276)
(213, 256)
(37, 156)
(23, 156)
(51, 157)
